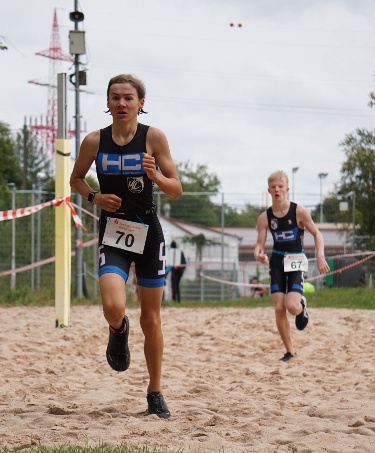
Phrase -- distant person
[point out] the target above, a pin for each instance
(258, 289)
(130, 159)
(177, 261)
(287, 222)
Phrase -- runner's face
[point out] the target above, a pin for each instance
(123, 101)
(278, 189)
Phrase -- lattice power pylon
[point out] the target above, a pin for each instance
(47, 132)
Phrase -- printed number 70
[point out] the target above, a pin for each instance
(296, 264)
(129, 238)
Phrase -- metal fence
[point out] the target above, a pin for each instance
(222, 270)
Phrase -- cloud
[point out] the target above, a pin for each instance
(278, 92)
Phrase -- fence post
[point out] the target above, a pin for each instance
(13, 256)
(63, 215)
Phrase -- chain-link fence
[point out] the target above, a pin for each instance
(217, 233)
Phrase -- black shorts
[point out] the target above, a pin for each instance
(284, 282)
(150, 266)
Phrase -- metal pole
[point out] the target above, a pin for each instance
(39, 236)
(95, 250)
(13, 255)
(294, 170)
(353, 238)
(321, 200)
(321, 177)
(78, 245)
(32, 258)
(222, 246)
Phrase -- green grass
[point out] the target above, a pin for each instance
(361, 298)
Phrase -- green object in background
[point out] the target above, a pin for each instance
(330, 278)
(308, 288)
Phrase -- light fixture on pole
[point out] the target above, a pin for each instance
(321, 177)
(294, 170)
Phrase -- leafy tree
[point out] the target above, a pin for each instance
(196, 205)
(195, 208)
(35, 163)
(358, 176)
(200, 242)
(245, 219)
(9, 166)
(197, 179)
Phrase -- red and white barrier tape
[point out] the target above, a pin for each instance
(85, 211)
(52, 259)
(337, 271)
(23, 212)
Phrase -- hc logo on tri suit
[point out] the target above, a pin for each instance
(120, 164)
(285, 236)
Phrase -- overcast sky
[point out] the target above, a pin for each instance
(279, 92)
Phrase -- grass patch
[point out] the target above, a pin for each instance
(360, 298)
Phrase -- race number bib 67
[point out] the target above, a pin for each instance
(296, 262)
(125, 235)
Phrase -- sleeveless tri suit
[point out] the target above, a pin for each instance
(120, 172)
(287, 238)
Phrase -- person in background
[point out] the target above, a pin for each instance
(178, 261)
(130, 159)
(287, 222)
(258, 289)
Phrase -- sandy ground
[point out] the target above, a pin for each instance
(223, 382)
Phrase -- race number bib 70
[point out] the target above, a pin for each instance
(125, 235)
(296, 262)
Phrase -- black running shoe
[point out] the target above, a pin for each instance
(303, 318)
(157, 405)
(118, 354)
(287, 357)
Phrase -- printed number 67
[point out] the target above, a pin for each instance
(296, 264)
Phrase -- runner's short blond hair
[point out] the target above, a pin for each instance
(279, 174)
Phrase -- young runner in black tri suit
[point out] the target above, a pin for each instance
(127, 156)
(287, 222)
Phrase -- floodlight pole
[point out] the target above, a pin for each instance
(78, 48)
(294, 170)
(321, 177)
(351, 195)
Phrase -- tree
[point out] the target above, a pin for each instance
(244, 219)
(9, 165)
(197, 208)
(358, 175)
(35, 164)
(9, 168)
(200, 242)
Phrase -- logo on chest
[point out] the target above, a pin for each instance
(120, 164)
(135, 185)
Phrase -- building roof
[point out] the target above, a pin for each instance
(334, 236)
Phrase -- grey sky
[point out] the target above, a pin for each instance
(279, 92)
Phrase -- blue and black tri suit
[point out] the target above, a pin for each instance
(287, 238)
(120, 171)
